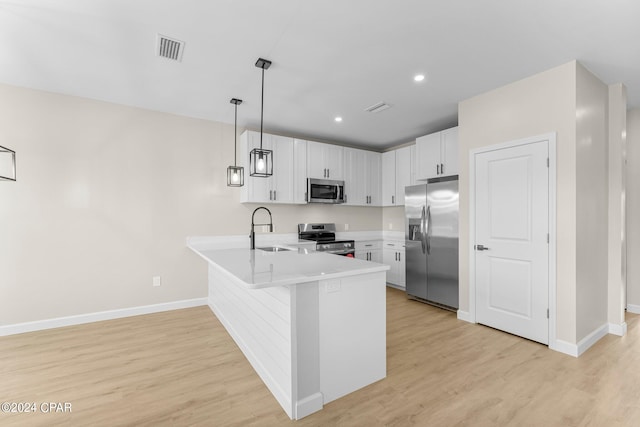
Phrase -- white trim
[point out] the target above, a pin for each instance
(471, 237)
(632, 308)
(564, 347)
(309, 405)
(620, 330)
(80, 319)
(585, 343)
(466, 316)
(551, 147)
(396, 286)
(553, 245)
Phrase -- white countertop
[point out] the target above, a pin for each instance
(259, 269)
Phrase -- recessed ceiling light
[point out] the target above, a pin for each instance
(418, 77)
(338, 119)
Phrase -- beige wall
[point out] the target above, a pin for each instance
(105, 197)
(573, 103)
(393, 218)
(591, 202)
(537, 105)
(617, 252)
(633, 209)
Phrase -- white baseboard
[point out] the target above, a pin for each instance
(309, 405)
(466, 316)
(632, 308)
(80, 319)
(620, 330)
(564, 347)
(576, 350)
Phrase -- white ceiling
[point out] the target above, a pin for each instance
(329, 57)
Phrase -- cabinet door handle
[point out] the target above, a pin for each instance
(270, 195)
(328, 173)
(274, 195)
(437, 169)
(442, 168)
(399, 256)
(393, 200)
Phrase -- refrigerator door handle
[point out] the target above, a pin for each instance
(423, 242)
(428, 229)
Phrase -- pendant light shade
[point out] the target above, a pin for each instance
(261, 160)
(235, 176)
(235, 173)
(7, 164)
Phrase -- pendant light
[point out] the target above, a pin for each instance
(235, 173)
(7, 164)
(261, 160)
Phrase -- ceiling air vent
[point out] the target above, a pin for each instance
(170, 48)
(376, 108)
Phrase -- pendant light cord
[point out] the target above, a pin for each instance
(235, 140)
(262, 107)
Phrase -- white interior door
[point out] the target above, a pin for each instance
(511, 240)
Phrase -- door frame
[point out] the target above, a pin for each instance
(551, 141)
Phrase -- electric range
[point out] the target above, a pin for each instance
(324, 234)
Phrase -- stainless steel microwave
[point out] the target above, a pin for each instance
(325, 191)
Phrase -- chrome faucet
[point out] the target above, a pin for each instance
(252, 236)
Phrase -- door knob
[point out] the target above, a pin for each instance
(481, 248)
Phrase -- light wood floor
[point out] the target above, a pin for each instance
(181, 368)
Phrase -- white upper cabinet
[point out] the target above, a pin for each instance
(397, 173)
(299, 171)
(324, 161)
(362, 177)
(354, 177)
(389, 178)
(374, 178)
(403, 173)
(437, 154)
(283, 185)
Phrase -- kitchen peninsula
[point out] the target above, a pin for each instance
(312, 324)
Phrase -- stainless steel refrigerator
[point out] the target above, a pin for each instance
(431, 241)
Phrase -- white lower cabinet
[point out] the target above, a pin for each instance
(393, 255)
(369, 250)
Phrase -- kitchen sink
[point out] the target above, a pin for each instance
(274, 249)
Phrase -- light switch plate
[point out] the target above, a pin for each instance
(157, 281)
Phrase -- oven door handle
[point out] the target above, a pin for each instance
(339, 252)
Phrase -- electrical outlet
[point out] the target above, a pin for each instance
(346, 227)
(157, 281)
(333, 286)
